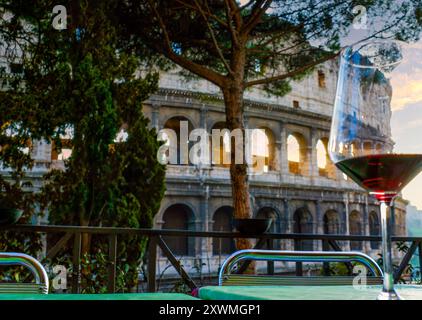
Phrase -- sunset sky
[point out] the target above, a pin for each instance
(407, 113)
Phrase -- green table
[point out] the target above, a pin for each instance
(116, 296)
(407, 292)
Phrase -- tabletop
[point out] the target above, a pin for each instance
(106, 296)
(407, 292)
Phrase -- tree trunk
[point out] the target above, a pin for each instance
(233, 99)
(85, 238)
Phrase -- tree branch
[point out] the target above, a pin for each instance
(291, 73)
(214, 40)
(257, 12)
(193, 67)
(234, 8)
(229, 18)
(209, 13)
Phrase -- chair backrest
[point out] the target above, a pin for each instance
(227, 278)
(19, 259)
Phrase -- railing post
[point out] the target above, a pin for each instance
(152, 263)
(325, 265)
(112, 256)
(420, 259)
(299, 265)
(270, 264)
(76, 261)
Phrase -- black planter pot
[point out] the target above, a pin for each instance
(9, 216)
(252, 226)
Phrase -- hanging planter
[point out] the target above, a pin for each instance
(252, 226)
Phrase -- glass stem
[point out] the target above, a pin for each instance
(388, 284)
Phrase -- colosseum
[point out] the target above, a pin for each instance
(300, 189)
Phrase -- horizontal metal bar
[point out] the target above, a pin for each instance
(188, 233)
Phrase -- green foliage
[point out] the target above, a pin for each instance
(273, 36)
(83, 81)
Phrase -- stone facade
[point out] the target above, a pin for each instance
(315, 200)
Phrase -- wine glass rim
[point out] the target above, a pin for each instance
(362, 44)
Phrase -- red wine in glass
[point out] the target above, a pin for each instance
(384, 175)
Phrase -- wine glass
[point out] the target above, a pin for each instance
(361, 144)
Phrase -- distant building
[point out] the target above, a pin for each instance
(414, 221)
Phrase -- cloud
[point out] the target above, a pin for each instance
(407, 79)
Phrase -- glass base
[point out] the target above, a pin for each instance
(389, 295)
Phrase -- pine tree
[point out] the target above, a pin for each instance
(83, 81)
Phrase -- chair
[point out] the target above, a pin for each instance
(19, 259)
(227, 278)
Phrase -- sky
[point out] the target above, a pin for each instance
(406, 122)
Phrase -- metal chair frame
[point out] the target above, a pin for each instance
(226, 277)
(19, 259)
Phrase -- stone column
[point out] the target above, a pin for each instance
(366, 244)
(283, 161)
(155, 116)
(203, 125)
(205, 243)
(288, 222)
(346, 222)
(312, 154)
(319, 223)
(276, 156)
(203, 117)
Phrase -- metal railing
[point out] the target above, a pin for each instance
(155, 237)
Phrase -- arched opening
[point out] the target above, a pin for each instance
(367, 148)
(331, 222)
(179, 217)
(220, 145)
(326, 167)
(270, 213)
(296, 154)
(262, 150)
(322, 158)
(355, 149)
(321, 79)
(374, 228)
(378, 148)
(176, 136)
(355, 228)
(223, 221)
(303, 223)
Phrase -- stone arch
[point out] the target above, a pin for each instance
(179, 216)
(355, 228)
(174, 123)
(263, 149)
(355, 148)
(367, 147)
(303, 223)
(220, 151)
(223, 221)
(297, 154)
(182, 115)
(374, 228)
(332, 224)
(329, 169)
(268, 212)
